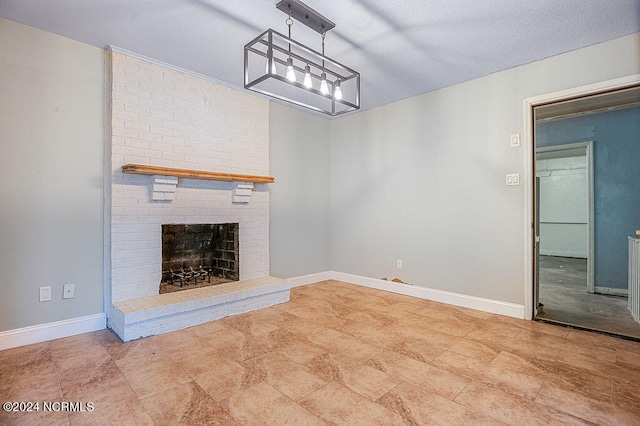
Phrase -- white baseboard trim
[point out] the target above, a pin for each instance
(309, 279)
(611, 291)
(487, 305)
(51, 331)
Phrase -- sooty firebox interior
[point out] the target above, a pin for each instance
(198, 255)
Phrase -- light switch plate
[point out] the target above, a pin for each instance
(513, 179)
(515, 140)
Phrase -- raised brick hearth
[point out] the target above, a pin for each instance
(148, 316)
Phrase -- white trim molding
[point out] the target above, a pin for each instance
(456, 299)
(106, 186)
(472, 302)
(51, 331)
(611, 291)
(310, 279)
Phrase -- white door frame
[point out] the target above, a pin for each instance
(588, 150)
(529, 172)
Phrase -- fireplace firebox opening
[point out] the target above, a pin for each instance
(198, 255)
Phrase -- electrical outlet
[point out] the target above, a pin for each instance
(399, 263)
(45, 293)
(68, 291)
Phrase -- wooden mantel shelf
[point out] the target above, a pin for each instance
(194, 174)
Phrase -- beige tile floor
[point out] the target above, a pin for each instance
(336, 354)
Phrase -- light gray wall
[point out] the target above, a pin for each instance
(616, 145)
(51, 136)
(299, 239)
(423, 180)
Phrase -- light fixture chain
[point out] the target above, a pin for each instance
(289, 23)
(323, 34)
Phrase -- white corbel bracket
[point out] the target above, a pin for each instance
(242, 192)
(164, 188)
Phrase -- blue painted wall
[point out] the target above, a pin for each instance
(616, 136)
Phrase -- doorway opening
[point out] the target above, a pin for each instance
(583, 151)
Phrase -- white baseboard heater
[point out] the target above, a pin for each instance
(634, 278)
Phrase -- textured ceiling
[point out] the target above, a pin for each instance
(401, 48)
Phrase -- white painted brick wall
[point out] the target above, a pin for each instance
(161, 117)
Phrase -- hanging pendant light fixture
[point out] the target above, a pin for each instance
(291, 74)
(337, 91)
(324, 87)
(327, 86)
(274, 70)
(308, 83)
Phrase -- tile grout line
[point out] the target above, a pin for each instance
(55, 366)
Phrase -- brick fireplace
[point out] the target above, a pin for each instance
(162, 117)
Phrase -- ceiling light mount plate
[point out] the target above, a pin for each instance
(303, 13)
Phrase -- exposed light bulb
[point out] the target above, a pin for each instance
(337, 93)
(273, 67)
(324, 88)
(307, 77)
(291, 75)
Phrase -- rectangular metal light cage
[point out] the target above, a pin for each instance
(265, 71)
